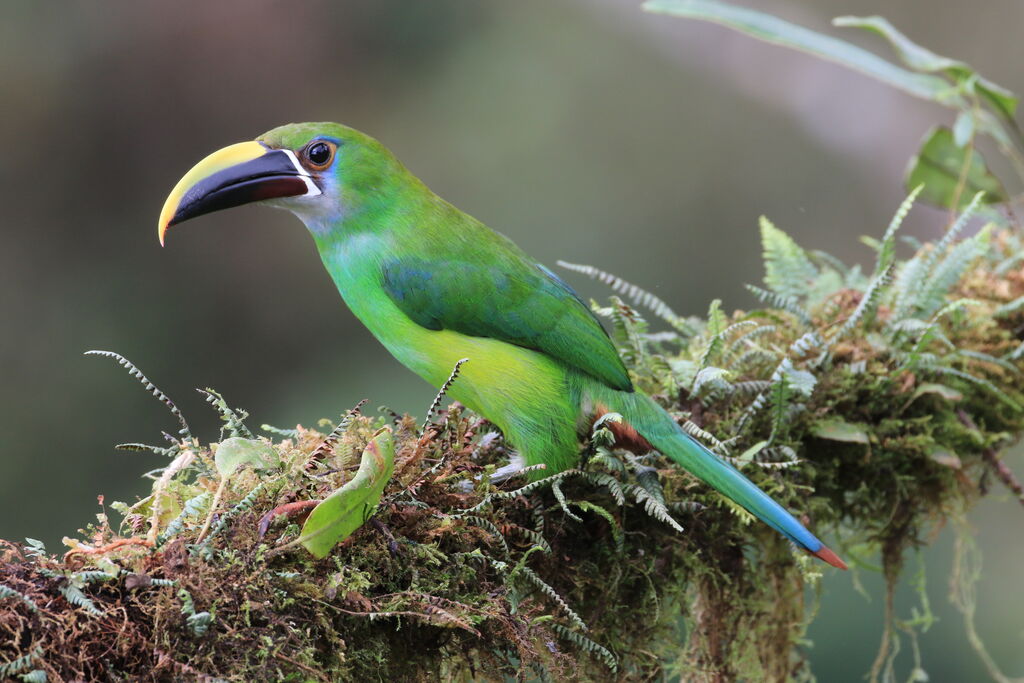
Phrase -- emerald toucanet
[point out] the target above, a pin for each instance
(435, 285)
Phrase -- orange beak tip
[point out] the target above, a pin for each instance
(830, 557)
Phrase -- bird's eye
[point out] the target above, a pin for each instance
(319, 153)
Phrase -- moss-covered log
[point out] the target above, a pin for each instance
(874, 405)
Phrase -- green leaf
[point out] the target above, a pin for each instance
(835, 429)
(948, 393)
(963, 129)
(939, 165)
(774, 30)
(234, 452)
(748, 455)
(919, 58)
(348, 508)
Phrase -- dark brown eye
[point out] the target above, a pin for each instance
(319, 153)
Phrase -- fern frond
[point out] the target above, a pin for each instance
(636, 294)
(20, 663)
(73, 594)
(868, 305)
(652, 506)
(8, 592)
(286, 433)
(193, 508)
(234, 419)
(887, 247)
(556, 489)
(184, 432)
(746, 340)
(84, 578)
(443, 391)
(949, 271)
(990, 359)
(783, 303)
(979, 381)
(146, 448)
(915, 285)
(710, 379)
(553, 595)
(488, 526)
(788, 270)
(617, 533)
(326, 447)
(240, 507)
(588, 645)
(700, 434)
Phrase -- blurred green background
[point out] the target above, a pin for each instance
(585, 130)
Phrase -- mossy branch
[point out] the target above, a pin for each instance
(491, 581)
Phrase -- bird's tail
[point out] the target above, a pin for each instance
(659, 429)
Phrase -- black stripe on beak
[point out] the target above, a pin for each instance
(270, 176)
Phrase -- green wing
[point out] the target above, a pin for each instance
(510, 299)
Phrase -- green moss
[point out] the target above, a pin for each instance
(875, 417)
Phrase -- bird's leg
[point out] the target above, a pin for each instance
(625, 434)
(296, 508)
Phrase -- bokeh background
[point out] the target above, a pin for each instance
(586, 130)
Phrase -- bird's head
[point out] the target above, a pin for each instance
(319, 171)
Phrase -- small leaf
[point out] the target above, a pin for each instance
(234, 452)
(348, 508)
(835, 429)
(948, 393)
(748, 455)
(963, 129)
(944, 457)
(939, 165)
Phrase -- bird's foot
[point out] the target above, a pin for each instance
(295, 509)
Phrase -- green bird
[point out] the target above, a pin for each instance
(435, 286)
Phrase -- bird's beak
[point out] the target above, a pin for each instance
(240, 174)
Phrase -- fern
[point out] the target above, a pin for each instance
(652, 506)
(788, 270)
(887, 247)
(788, 304)
(72, 592)
(916, 286)
(635, 294)
(443, 391)
(193, 508)
(240, 507)
(618, 535)
(556, 489)
(489, 526)
(286, 433)
(628, 330)
(184, 432)
(21, 663)
(326, 447)
(234, 419)
(588, 645)
(146, 448)
(868, 305)
(552, 594)
(198, 623)
(700, 434)
(8, 592)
